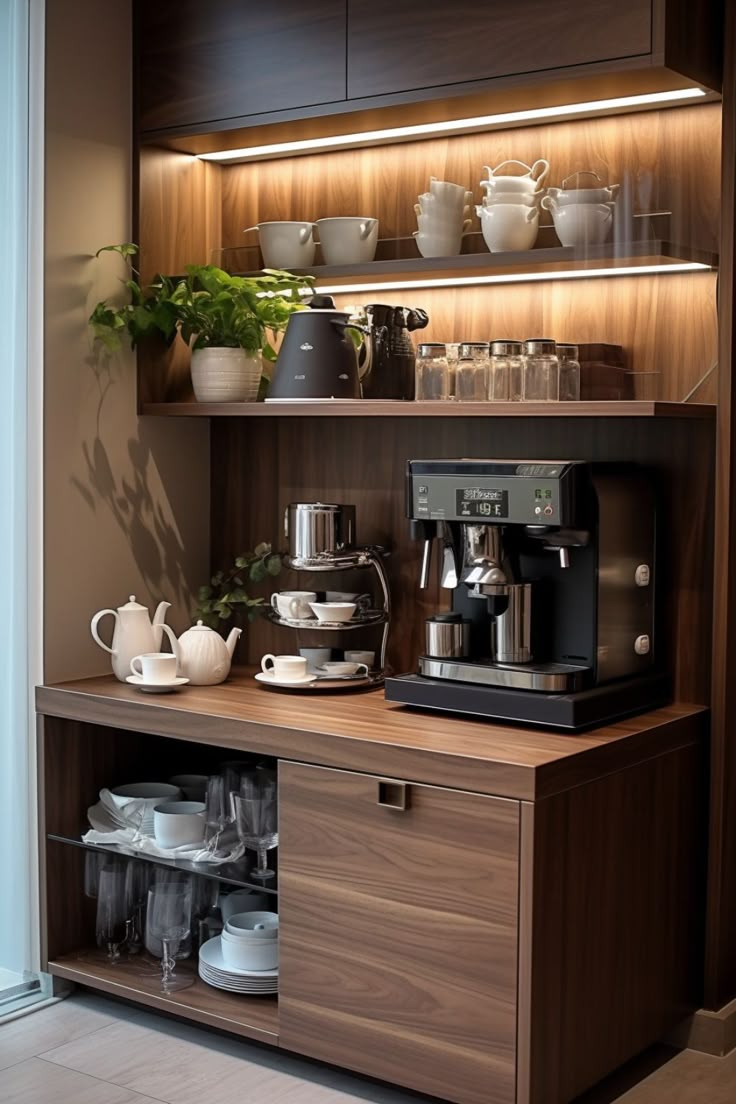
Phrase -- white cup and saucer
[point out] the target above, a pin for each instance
(285, 670)
(293, 605)
(155, 673)
(343, 669)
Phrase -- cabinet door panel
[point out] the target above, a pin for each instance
(398, 932)
(201, 62)
(427, 43)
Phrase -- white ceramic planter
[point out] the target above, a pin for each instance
(225, 375)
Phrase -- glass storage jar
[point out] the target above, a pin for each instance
(541, 376)
(505, 371)
(471, 374)
(432, 372)
(452, 349)
(569, 373)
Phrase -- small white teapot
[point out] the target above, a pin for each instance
(202, 655)
(133, 634)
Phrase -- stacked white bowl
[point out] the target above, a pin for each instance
(250, 941)
(509, 213)
(443, 216)
(582, 216)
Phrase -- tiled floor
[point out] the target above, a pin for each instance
(87, 1050)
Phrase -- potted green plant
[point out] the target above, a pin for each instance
(226, 321)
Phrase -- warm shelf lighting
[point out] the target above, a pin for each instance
(453, 126)
(509, 278)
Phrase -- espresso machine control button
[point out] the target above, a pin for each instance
(548, 511)
(642, 645)
(642, 575)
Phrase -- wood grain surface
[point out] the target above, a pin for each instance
(224, 59)
(259, 466)
(398, 933)
(379, 32)
(252, 1017)
(363, 732)
(611, 922)
(720, 964)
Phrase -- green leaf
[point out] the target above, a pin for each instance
(126, 249)
(273, 565)
(257, 572)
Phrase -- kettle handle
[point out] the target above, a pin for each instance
(416, 319)
(93, 629)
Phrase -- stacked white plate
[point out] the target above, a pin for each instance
(213, 970)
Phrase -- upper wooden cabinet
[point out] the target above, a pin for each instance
(413, 44)
(203, 62)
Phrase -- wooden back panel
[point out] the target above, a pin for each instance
(258, 467)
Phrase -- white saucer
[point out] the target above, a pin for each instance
(271, 680)
(156, 687)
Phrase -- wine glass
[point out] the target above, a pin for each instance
(112, 912)
(93, 864)
(255, 810)
(169, 919)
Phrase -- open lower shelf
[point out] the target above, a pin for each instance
(362, 408)
(237, 874)
(252, 1017)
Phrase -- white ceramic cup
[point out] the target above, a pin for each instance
(344, 667)
(431, 224)
(315, 657)
(533, 199)
(441, 243)
(253, 925)
(176, 823)
(155, 668)
(565, 196)
(286, 244)
(581, 223)
(357, 656)
(249, 954)
(285, 668)
(241, 900)
(509, 227)
(529, 181)
(293, 604)
(333, 611)
(448, 192)
(348, 241)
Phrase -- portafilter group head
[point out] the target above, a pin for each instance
(318, 529)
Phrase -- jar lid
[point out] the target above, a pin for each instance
(449, 618)
(471, 349)
(432, 349)
(569, 351)
(507, 348)
(540, 346)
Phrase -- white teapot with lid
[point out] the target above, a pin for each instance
(133, 635)
(202, 655)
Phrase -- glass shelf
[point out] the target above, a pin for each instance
(238, 874)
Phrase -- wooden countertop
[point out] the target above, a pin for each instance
(364, 732)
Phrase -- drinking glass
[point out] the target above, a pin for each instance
(112, 912)
(169, 919)
(219, 811)
(93, 864)
(137, 880)
(256, 820)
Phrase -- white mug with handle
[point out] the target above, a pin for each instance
(155, 668)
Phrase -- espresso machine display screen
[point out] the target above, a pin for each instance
(482, 502)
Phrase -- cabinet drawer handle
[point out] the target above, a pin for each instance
(393, 795)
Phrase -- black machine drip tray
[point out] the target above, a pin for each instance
(571, 711)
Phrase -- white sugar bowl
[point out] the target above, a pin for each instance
(202, 655)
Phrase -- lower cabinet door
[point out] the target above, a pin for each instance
(398, 931)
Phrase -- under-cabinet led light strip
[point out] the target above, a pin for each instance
(509, 278)
(452, 126)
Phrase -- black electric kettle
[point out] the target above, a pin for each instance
(318, 358)
(388, 357)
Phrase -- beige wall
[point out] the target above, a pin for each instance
(126, 499)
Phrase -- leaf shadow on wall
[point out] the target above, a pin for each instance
(142, 511)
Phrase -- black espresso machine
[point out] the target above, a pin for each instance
(551, 565)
